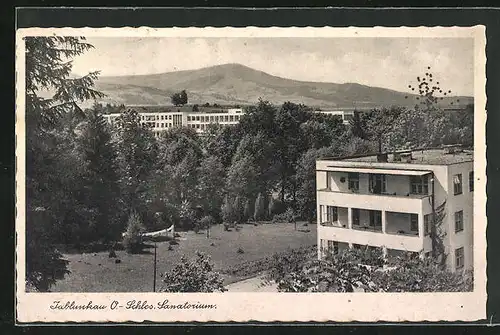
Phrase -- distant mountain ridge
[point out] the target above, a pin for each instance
(232, 84)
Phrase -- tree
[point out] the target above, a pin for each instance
(380, 123)
(179, 99)
(211, 184)
(242, 178)
(100, 177)
(137, 155)
(178, 166)
(247, 211)
(196, 275)
(272, 207)
(259, 208)
(132, 241)
(358, 126)
(306, 180)
(50, 177)
(238, 208)
(228, 212)
(206, 222)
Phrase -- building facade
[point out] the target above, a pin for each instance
(199, 121)
(345, 115)
(388, 201)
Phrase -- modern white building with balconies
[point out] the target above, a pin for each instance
(388, 201)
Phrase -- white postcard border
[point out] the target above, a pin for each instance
(264, 307)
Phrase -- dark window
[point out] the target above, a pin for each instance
(375, 219)
(459, 221)
(419, 185)
(355, 216)
(377, 183)
(457, 184)
(353, 181)
(414, 222)
(471, 181)
(459, 258)
(332, 214)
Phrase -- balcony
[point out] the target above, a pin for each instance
(369, 201)
(374, 238)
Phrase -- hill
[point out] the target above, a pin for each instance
(238, 84)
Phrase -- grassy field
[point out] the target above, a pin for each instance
(95, 272)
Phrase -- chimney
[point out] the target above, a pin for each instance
(382, 157)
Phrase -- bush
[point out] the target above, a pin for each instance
(280, 218)
(206, 222)
(196, 275)
(132, 241)
(240, 251)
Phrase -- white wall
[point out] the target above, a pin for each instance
(456, 203)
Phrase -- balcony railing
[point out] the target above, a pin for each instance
(388, 202)
(375, 238)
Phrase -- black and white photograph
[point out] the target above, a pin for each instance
(226, 163)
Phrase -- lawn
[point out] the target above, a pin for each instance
(96, 272)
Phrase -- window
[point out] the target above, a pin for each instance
(459, 221)
(189, 118)
(459, 258)
(414, 222)
(353, 181)
(226, 118)
(377, 183)
(471, 181)
(328, 181)
(331, 214)
(321, 209)
(419, 185)
(158, 124)
(355, 216)
(375, 219)
(427, 224)
(457, 184)
(231, 118)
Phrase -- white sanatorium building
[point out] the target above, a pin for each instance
(387, 201)
(160, 121)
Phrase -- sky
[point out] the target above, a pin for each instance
(392, 63)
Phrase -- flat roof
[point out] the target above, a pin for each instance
(426, 156)
(379, 171)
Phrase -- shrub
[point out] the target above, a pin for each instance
(240, 251)
(259, 208)
(132, 241)
(195, 275)
(206, 222)
(280, 218)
